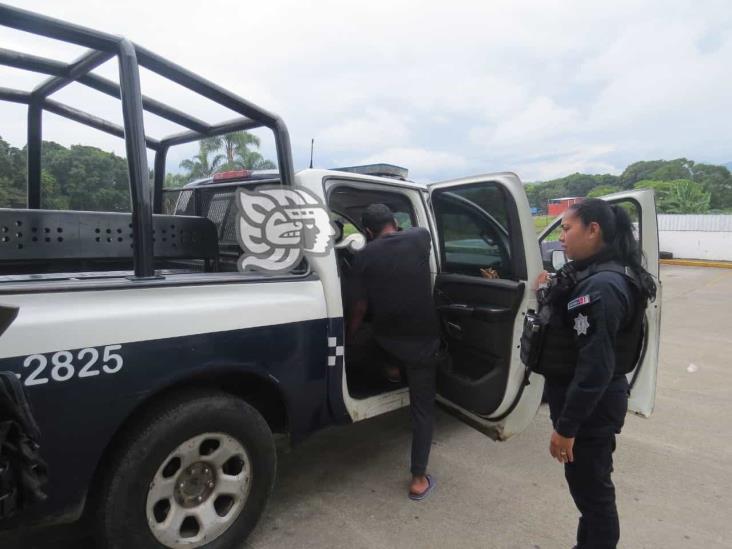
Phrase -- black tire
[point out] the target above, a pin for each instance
(122, 520)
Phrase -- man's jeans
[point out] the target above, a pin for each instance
(421, 378)
(420, 358)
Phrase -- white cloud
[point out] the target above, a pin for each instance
(538, 121)
(583, 160)
(374, 129)
(541, 86)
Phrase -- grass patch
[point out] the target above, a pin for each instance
(541, 222)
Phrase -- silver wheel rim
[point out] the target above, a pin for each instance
(198, 491)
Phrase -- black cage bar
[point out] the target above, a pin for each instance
(102, 47)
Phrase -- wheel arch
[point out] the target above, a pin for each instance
(261, 392)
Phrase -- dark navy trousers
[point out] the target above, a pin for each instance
(591, 486)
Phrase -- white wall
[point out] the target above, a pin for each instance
(706, 236)
(697, 244)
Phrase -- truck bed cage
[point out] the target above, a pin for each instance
(53, 236)
(130, 56)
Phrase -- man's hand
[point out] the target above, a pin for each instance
(561, 448)
(543, 278)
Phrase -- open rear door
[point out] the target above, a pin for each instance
(487, 251)
(641, 206)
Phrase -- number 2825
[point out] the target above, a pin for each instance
(64, 365)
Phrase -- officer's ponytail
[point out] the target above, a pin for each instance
(617, 233)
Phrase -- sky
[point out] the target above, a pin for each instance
(446, 89)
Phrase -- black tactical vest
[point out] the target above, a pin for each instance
(554, 351)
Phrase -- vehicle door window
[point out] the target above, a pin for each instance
(349, 204)
(549, 242)
(473, 226)
(216, 202)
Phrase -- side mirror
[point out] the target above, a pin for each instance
(559, 259)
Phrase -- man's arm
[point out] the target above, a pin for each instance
(358, 297)
(358, 312)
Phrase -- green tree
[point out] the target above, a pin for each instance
(656, 170)
(12, 176)
(580, 184)
(577, 184)
(660, 188)
(77, 178)
(602, 190)
(539, 194)
(717, 181)
(201, 165)
(678, 196)
(51, 196)
(174, 180)
(687, 197)
(237, 149)
(252, 160)
(85, 178)
(10, 195)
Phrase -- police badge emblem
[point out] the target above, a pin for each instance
(581, 324)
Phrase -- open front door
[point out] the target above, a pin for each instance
(487, 251)
(641, 206)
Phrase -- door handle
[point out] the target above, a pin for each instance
(455, 327)
(492, 314)
(454, 330)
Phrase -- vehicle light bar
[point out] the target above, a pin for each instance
(233, 174)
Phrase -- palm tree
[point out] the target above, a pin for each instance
(236, 151)
(230, 152)
(252, 160)
(687, 197)
(200, 166)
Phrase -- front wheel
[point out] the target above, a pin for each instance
(196, 472)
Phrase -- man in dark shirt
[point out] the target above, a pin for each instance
(391, 278)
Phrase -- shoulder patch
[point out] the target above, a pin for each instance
(579, 302)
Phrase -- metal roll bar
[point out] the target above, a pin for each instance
(103, 47)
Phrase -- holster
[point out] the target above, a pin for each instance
(532, 339)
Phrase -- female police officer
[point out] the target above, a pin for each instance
(592, 339)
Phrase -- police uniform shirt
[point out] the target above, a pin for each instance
(594, 400)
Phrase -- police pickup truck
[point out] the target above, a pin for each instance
(161, 350)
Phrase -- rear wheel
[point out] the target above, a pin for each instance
(195, 473)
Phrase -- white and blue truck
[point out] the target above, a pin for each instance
(163, 349)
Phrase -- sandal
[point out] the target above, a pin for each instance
(422, 495)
